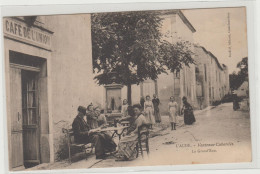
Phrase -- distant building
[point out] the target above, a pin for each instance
(212, 78)
(243, 90)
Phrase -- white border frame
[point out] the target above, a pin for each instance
(87, 7)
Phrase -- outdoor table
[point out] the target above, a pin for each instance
(115, 130)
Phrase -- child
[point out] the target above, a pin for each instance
(124, 108)
(149, 110)
(172, 108)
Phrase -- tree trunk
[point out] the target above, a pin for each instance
(129, 94)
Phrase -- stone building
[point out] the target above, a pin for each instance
(175, 27)
(212, 78)
(48, 72)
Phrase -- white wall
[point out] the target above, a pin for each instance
(71, 69)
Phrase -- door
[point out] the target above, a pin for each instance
(16, 117)
(30, 118)
(114, 98)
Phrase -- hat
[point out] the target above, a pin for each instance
(89, 106)
(82, 109)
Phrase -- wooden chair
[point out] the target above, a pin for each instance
(125, 123)
(69, 135)
(143, 139)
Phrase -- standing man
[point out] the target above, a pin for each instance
(103, 143)
(156, 103)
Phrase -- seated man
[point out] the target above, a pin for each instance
(102, 142)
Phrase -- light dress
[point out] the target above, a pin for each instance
(172, 111)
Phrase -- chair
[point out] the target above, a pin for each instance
(69, 135)
(125, 123)
(143, 139)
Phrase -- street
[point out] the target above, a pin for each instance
(219, 135)
(217, 131)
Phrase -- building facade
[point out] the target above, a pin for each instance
(48, 72)
(212, 78)
(203, 83)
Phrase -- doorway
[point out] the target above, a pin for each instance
(30, 106)
(113, 99)
(25, 117)
(25, 110)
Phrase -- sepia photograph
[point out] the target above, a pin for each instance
(127, 89)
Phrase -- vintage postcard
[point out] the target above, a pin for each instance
(127, 89)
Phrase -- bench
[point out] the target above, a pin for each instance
(69, 135)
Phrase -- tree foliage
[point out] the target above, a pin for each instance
(236, 79)
(128, 48)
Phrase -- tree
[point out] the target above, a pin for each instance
(128, 48)
(243, 66)
(236, 79)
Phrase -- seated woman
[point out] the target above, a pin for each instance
(127, 145)
(92, 117)
(101, 117)
(130, 115)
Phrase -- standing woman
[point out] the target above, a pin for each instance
(187, 110)
(149, 109)
(156, 103)
(172, 108)
(142, 100)
(124, 108)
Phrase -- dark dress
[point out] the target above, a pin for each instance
(102, 142)
(157, 115)
(188, 114)
(235, 102)
(142, 100)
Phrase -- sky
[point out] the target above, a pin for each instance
(222, 31)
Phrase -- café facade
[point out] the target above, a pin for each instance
(48, 74)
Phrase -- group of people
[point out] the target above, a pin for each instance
(150, 108)
(89, 119)
(84, 126)
(152, 111)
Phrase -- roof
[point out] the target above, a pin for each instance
(212, 55)
(182, 16)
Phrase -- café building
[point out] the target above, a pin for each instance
(48, 74)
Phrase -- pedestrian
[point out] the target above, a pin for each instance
(156, 103)
(142, 100)
(124, 108)
(149, 110)
(187, 110)
(235, 101)
(172, 108)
